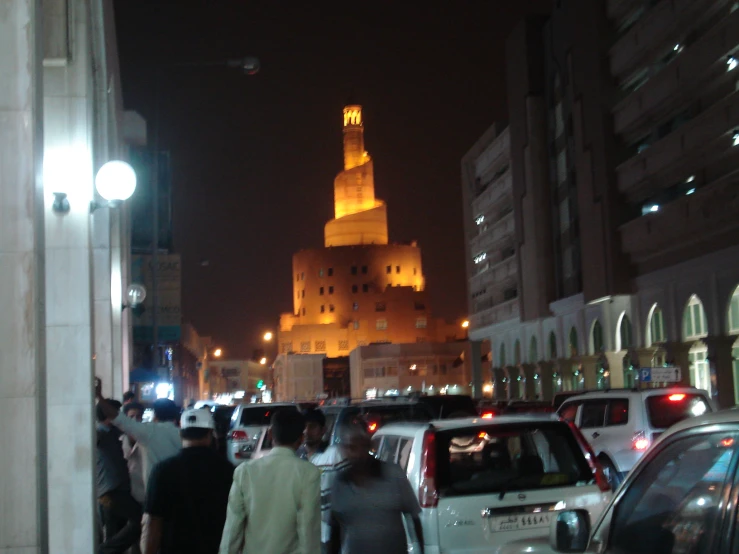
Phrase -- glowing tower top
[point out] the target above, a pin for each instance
(359, 217)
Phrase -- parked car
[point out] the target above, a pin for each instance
(374, 414)
(622, 424)
(248, 422)
(680, 497)
(483, 483)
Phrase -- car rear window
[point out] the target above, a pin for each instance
(665, 410)
(375, 417)
(503, 458)
(261, 415)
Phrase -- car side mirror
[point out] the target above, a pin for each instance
(570, 531)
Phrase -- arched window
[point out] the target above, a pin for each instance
(694, 320)
(625, 333)
(573, 342)
(502, 355)
(552, 346)
(533, 351)
(656, 327)
(597, 337)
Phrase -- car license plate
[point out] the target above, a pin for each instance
(519, 522)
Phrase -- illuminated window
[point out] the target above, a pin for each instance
(320, 291)
(354, 288)
(355, 306)
(320, 272)
(381, 324)
(421, 322)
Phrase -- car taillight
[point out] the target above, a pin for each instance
(676, 397)
(487, 415)
(372, 427)
(639, 441)
(428, 496)
(238, 436)
(600, 477)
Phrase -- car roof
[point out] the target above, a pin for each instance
(461, 423)
(730, 415)
(611, 393)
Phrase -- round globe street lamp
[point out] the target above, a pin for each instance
(115, 182)
(268, 336)
(136, 294)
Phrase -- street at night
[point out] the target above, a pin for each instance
(392, 278)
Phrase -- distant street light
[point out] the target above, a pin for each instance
(267, 336)
(465, 324)
(263, 361)
(218, 352)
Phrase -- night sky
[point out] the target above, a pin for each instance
(254, 158)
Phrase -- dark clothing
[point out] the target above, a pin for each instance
(121, 519)
(111, 466)
(190, 493)
(371, 516)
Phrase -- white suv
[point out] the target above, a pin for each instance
(249, 424)
(622, 424)
(483, 483)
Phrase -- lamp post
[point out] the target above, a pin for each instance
(249, 65)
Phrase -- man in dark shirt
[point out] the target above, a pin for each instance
(120, 513)
(187, 495)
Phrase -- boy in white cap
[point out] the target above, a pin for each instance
(187, 495)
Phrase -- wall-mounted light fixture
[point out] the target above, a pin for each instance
(61, 204)
(115, 182)
(136, 294)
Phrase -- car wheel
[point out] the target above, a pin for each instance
(611, 473)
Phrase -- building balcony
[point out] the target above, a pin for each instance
(497, 314)
(665, 24)
(683, 225)
(496, 192)
(706, 136)
(495, 233)
(701, 67)
(498, 274)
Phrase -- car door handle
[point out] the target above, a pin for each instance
(596, 435)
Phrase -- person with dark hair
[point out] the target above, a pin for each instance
(274, 506)
(369, 501)
(128, 397)
(327, 459)
(120, 514)
(132, 453)
(158, 440)
(187, 494)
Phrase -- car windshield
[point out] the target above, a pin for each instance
(260, 415)
(502, 458)
(665, 410)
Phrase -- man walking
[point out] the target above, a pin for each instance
(274, 505)
(187, 494)
(120, 514)
(370, 500)
(329, 462)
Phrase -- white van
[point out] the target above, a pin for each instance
(484, 483)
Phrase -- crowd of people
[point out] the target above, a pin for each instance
(163, 488)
